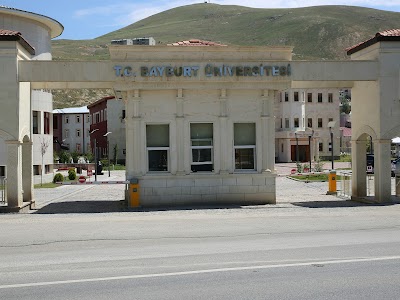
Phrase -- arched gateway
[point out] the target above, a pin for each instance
(199, 120)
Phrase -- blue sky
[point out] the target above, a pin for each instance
(87, 19)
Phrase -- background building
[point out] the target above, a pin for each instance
(108, 115)
(302, 118)
(71, 129)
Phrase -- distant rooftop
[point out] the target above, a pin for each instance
(11, 35)
(195, 42)
(383, 36)
(71, 110)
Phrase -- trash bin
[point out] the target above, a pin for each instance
(332, 182)
(134, 193)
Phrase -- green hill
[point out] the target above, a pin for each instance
(320, 32)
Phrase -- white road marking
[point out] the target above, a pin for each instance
(288, 265)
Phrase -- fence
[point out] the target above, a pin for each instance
(3, 190)
(344, 190)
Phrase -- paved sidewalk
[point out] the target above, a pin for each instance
(110, 197)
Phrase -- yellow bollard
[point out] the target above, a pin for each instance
(134, 193)
(332, 183)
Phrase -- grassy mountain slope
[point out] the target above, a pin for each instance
(320, 32)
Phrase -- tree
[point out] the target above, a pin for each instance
(44, 145)
(116, 154)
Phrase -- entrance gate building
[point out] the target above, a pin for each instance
(199, 120)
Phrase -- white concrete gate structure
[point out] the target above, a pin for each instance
(23, 36)
(145, 76)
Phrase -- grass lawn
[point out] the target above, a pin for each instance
(314, 177)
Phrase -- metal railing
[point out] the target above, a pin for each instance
(344, 190)
(3, 190)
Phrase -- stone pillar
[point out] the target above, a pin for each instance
(180, 140)
(139, 165)
(268, 131)
(133, 141)
(359, 168)
(382, 171)
(27, 171)
(223, 127)
(14, 174)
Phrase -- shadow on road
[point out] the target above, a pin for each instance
(77, 207)
(337, 203)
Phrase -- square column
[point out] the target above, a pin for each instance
(268, 131)
(27, 171)
(359, 168)
(225, 160)
(180, 125)
(382, 171)
(14, 174)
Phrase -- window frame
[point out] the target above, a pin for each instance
(253, 147)
(202, 147)
(158, 148)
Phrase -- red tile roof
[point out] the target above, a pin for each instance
(386, 35)
(346, 131)
(11, 35)
(195, 42)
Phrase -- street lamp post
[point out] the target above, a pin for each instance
(309, 145)
(297, 148)
(331, 125)
(95, 154)
(108, 151)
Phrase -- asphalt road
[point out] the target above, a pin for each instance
(285, 251)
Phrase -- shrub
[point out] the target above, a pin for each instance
(71, 174)
(58, 178)
(299, 167)
(318, 166)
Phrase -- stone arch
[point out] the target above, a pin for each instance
(26, 139)
(6, 136)
(394, 132)
(360, 134)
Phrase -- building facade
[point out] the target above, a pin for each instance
(71, 129)
(304, 121)
(107, 115)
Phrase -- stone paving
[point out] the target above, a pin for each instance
(106, 198)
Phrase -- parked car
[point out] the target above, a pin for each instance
(395, 163)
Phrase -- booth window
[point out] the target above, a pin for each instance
(157, 142)
(244, 145)
(201, 139)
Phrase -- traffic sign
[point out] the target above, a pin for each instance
(82, 179)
